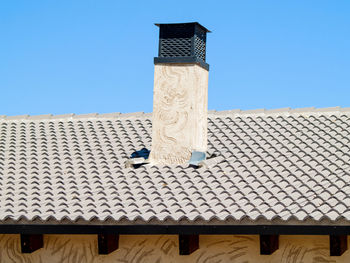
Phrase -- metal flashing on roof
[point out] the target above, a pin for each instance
(197, 157)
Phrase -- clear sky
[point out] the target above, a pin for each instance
(64, 56)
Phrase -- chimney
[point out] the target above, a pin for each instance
(180, 95)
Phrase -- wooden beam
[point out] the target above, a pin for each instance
(188, 244)
(31, 243)
(160, 229)
(338, 244)
(268, 244)
(107, 243)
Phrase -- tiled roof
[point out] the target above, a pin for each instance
(286, 165)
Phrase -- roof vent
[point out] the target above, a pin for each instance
(197, 158)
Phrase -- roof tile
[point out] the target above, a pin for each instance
(280, 164)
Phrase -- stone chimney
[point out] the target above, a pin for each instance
(180, 96)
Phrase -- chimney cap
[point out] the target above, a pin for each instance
(182, 43)
(180, 24)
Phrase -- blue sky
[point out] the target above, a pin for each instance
(97, 56)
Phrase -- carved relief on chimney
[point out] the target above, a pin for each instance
(179, 112)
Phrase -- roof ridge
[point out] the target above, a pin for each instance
(284, 111)
(76, 116)
(310, 110)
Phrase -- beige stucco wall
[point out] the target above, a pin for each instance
(180, 112)
(155, 249)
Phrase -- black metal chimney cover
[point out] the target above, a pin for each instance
(182, 43)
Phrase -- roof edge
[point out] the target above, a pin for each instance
(177, 229)
(279, 111)
(229, 220)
